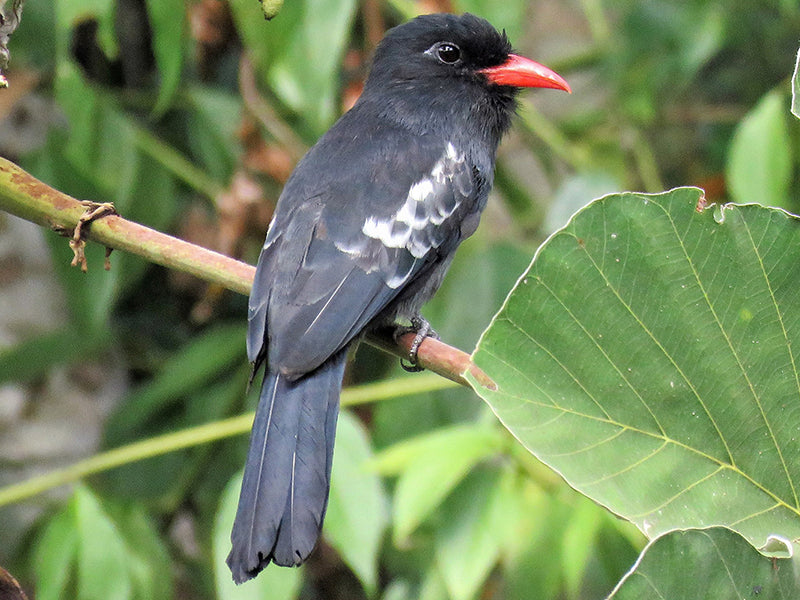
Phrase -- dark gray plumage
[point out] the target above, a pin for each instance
(362, 236)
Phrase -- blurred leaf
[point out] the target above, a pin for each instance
(29, 43)
(582, 527)
(508, 15)
(33, 357)
(200, 383)
(473, 291)
(397, 590)
(430, 466)
(169, 478)
(272, 582)
(206, 357)
(535, 569)
(82, 546)
(647, 356)
(70, 12)
(796, 87)
(397, 458)
(102, 566)
(90, 295)
(715, 564)
(76, 10)
(663, 47)
(759, 165)
(306, 75)
(301, 51)
(103, 147)
(55, 556)
(612, 554)
(212, 130)
(357, 508)
(146, 555)
(100, 161)
(575, 192)
(433, 587)
(168, 23)
(263, 39)
(477, 519)
(403, 418)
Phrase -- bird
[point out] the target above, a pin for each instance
(361, 237)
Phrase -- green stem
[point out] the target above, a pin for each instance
(597, 21)
(203, 434)
(536, 123)
(646, 164)
(176, 163)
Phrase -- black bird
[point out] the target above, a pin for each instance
(361, 237)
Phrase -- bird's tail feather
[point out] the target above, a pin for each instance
(287, 474)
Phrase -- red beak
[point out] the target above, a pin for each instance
(519, 71)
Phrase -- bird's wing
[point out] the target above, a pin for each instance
(345, 243)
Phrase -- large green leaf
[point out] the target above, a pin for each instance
(715, 564)
(648, 355)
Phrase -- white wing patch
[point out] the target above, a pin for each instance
(395, 244)
(429, 202)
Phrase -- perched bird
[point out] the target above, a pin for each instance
(361, 237)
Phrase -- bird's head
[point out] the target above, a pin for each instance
(437, 48)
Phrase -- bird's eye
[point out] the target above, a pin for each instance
(448, 53)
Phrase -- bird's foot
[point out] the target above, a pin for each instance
(422, 329)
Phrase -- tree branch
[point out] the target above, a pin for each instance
(25, 196)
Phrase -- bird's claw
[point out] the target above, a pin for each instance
(422, 329)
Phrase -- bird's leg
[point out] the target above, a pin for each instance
(422, 329)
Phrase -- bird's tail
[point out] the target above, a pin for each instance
(287, 474)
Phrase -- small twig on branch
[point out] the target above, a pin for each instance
(78, 241)
(25, 196)
(265, 113)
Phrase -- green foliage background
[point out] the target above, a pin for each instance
(432, 498)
